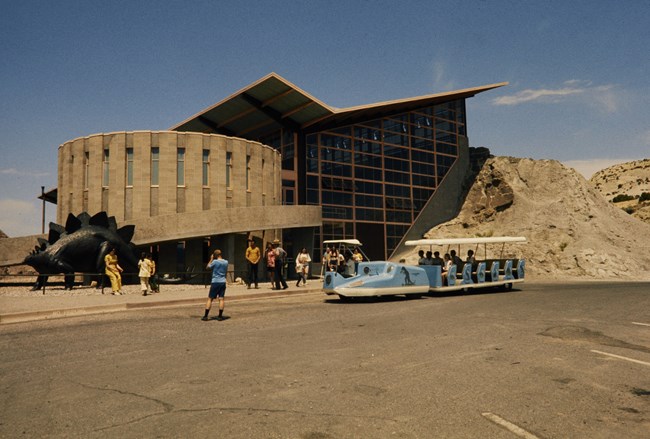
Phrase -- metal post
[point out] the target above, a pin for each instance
(43, 214)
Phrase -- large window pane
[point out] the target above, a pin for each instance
(369, 214)
(397, 177)
(446, 148)
(396, 151)
(368, 173)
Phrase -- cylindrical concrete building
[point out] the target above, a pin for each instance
(186, 193)
(142, 174)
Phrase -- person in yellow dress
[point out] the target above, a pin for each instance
(253, 256)
(113, 271)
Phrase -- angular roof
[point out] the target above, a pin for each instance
(273, 102)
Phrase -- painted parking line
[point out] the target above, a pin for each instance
(641, 324)
(509, 426)
(645, 363)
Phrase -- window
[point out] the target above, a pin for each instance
(248, 173)
(155, 165)
(129, 167)
(105, 173)
(228, 168)
(180, 167)
(86, 169)
(206, 167)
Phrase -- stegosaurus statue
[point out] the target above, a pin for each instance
(80, 247)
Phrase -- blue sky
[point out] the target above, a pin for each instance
(578, 71)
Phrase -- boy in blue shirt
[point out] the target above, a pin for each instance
(219, 267)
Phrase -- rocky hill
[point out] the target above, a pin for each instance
(627, 185)
(573, 231)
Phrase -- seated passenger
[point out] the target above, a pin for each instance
(437, 260)
(470, 257)
(333, 261)
(445, 268)
(342, 264)
(428, 260)
(455, 259)
(421, 258)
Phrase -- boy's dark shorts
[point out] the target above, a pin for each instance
(217, 290)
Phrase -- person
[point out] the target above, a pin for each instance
(153, 279)
(113, 271)
(144, 273)
(357, 257)
(421, 257)
(333, 260)
(447, 263)
(325, 262)
(457, 261)
(269, 256)
(470, 257)
(428, 260)
(280, 254)
(302, 266)
(342, 263)
(253, 258)
(219, 267)
(437, 260)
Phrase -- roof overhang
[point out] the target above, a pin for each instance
(49, 196)
(272, 103)
(259, 109)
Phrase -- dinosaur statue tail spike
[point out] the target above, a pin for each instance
(126, 233)
(55, 233)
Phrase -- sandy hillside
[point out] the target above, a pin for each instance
(629, 179)
(573, 231)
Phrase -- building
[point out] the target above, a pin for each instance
(271, 161)
(377, 170)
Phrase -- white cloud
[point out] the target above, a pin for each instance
(20, 218)
(14, 171)
(440, 80)
(603, 97)
(529, 95)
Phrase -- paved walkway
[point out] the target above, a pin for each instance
(57, 304)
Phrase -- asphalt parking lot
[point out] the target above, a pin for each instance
(547, 361)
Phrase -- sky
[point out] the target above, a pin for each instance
(578, 72)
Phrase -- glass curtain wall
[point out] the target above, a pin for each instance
(374, 177)
(284, 141)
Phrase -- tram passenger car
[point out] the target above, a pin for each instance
(381, 278)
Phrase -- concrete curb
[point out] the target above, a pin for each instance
(50, 314)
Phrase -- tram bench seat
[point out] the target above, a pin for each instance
(499, 272)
